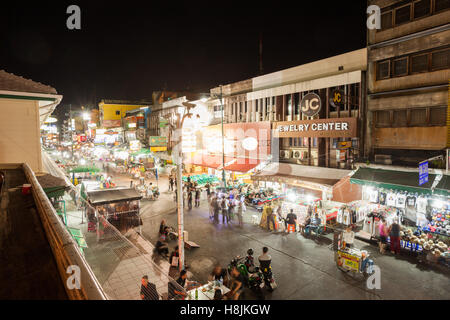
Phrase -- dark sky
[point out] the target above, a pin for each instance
(127, 49)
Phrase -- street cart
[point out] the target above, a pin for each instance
(354, 260)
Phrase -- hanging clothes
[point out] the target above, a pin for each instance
(391, 199)
(422, 205)
(340, 216)
(382, 199)
(346, 217)
(373, 196)
(401, 201)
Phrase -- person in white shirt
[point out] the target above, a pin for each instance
(348, 236)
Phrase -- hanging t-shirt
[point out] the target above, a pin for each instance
(422, 205)
(410, 202)
(383, 198)
(346, 217)
(401, 201)
(373, 196)
(391, 199)
(340, 216)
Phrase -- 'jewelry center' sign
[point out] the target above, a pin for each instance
(331, 128)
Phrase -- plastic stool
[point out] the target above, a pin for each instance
(255, 219)
(291, 227)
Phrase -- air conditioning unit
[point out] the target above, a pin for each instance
(285, 154)
(383, 159)
(297, 154)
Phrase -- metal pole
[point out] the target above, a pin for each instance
(180, 208)
(223, 142)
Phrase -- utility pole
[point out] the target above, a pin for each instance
(223, 141)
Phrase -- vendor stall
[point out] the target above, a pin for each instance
(119, 207)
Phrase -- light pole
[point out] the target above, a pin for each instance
(179, 175)
(223, 138)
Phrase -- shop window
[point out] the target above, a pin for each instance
(422, 8)
(273, 101)
(438, 116)
(418, 117)
(402, 15)
(314, 142)
(400, 119)
(305, 142)
(296, 103)
(419, 63)
(382, 119)
(441, 5)
(245, 106)
(334, 143)
(256, 105)
(440, 59)
(386, 20)
(383, 70)
(400, 67)
(117, 112)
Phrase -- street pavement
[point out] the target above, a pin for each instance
(303, 268)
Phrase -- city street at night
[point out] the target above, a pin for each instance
(257, 158)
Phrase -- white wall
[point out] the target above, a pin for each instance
(20, 133)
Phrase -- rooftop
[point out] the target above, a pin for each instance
(11, 82)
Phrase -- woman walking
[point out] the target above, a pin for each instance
(383, 235)
(240, 208)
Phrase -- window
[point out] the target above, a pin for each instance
(418, 117)
(440, 5)
(419, 63)
(440, 59)
(400, 67)
(296, 103)
(386, 20)
(382, 119)
(438, 116)
(402, 15)
(334, 143)
(314, 142)
(383, 69)
(422, 8)
(245, 106)
(256, 105)
(400, 119)
(117, 112)
(273, 101)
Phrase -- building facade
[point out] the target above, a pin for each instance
(23, 104)
(407, 82)
(113, 111)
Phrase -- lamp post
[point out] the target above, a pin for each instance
(223, 137)
(179, 174)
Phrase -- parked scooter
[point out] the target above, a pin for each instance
(253, 276)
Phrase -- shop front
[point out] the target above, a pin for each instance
(422, 210)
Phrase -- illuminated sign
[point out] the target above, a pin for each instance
(333, 128)
(310, 105)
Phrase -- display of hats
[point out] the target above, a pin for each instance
(421, 242)
(402, 234)
(427, 247)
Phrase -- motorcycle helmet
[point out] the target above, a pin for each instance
(250, 252)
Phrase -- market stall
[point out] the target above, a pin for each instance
(119, 207)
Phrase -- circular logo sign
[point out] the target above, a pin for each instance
(337, 98)
(310, 104)
(250, 143)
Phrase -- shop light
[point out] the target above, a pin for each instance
(309, 198)
(82, 161)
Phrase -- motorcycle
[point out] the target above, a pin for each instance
(253, 276)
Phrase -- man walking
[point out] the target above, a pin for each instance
(170, 183)
(224, 210)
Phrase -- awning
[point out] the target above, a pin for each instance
(113, 195)
(443, 187)
(299, 175)
(53, 186)
(216, 162)
(395, 180)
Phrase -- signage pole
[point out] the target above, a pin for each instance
(179, 155)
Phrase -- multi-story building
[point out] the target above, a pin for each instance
(113, 111)
(407, 82)
(317, 113)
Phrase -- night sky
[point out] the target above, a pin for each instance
(127, 49)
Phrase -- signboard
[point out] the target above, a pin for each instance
(337, 98)
(325, 128)
(344, 145)
(158, 149)
(156, 141)
(423, 173)
(163, 123)
(348, 261)
(111, 123)
(311, 104)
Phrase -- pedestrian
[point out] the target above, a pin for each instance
(148, 290)
(197, 197)
(240, 208)
(270, 218)
(216, 206)
(208, 189)
(231, 206)
(131, 184)
(394, 235)
(224, 206)
(170, 183)
(211, 207)
(383, 235)
(291, 219)
(189, 199)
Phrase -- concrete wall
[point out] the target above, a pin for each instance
(20, 133)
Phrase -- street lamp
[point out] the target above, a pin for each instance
(179, 174)
(223, 140)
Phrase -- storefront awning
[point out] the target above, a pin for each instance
(395, 180)
(443, 187)
(216, 162)
(112, 195)
(300, 175)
